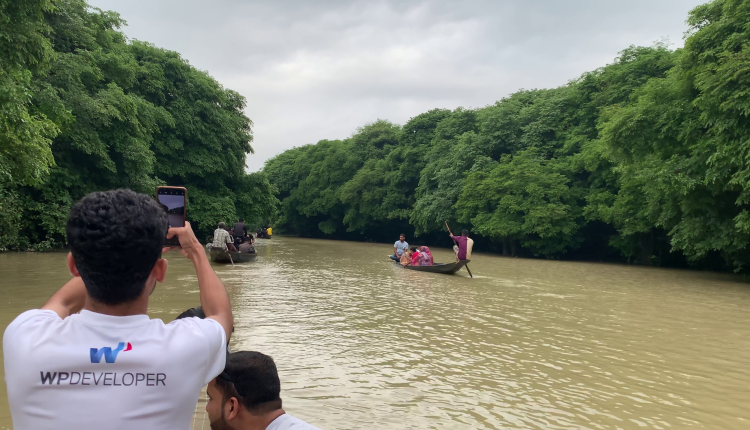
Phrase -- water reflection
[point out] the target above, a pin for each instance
(362, 343)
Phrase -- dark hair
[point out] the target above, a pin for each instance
(413, 249)
(116, 237)
(252, 378)
(464, 232)
(242, 219)
(401, 235)
(192, 312)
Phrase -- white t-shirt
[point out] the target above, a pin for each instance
(287, 422)
(401, 247)
(92, 371)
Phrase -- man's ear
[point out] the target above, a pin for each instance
(231, 408)
(72, 266)
(159, 272)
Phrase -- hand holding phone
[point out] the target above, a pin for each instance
(189, 245)
(174, 202)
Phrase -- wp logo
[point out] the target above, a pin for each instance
(110, 355)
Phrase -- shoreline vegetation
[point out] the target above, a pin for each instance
(82, 109)
(645, 160)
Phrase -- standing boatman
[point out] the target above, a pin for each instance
(239, 232)
(465, 245)
(399, 247)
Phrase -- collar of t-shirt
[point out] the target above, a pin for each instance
(286, 421)
(111, 321)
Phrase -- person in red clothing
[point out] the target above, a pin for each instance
(416, 256)
(464, 245)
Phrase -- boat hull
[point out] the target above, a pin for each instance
(447, 268)
(220, 256)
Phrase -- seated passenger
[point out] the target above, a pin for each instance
(247, 248)
(426, 256)
(405, 258)
(222, 239)
(416, 256)
(246, 396)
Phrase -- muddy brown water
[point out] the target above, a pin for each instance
(526, 344)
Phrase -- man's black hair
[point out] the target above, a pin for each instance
(242, 220)
(251, 377)
(402, 235)
(116, 237)
(413, 249)
(193, 312)
(464, 232)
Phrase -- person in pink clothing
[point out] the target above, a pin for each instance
(426, 256)
(416, 256)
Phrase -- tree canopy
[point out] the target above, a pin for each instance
(84, 109)
(642, 160)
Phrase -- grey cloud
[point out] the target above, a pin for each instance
(314, 70)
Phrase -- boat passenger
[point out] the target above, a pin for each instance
(416, 257)
(239, 231)
(399, 247)
(247, 396)
(405, 259)
(426, 256)
(222, 239)
(247, 248)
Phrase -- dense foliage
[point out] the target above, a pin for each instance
(646, 160)
(84, 109)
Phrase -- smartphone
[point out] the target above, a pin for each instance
(174, 202)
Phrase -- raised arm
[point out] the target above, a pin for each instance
(214, 298)
(69, 299)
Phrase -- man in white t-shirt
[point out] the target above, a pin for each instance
(246, 396)
(399, 247)
(111, 367)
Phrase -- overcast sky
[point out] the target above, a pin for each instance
(313, 70)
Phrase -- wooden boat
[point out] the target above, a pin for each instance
(445, 268)
(220, 256)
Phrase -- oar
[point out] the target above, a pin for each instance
(230, 257)
(465, 265)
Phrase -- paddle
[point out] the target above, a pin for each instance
(467, 264)
(230, 257)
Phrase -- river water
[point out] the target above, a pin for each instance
(362, 343)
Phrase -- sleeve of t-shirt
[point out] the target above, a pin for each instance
(21, 332)
(217, 347)
(29, 320)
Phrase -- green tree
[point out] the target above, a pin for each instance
(117, 114)
(523, 199)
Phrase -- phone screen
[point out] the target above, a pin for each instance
(172, 200)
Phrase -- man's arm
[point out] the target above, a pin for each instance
(213, 295)
(69, 299)
(230, 244)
